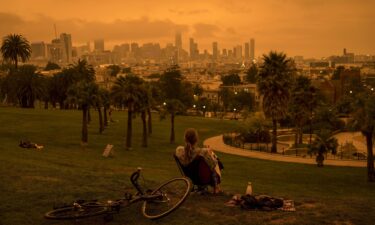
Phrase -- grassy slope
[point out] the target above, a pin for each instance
(32, 181)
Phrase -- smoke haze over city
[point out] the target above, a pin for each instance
(298, 27)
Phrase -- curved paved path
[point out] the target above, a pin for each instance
(217, 144)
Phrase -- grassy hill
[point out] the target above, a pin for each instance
(32, 181)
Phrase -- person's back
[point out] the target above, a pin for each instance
(189, 153)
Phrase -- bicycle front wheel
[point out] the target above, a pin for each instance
(172, 194)
(71, 212)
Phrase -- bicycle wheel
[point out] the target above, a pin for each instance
(71, 212)
(172, 194)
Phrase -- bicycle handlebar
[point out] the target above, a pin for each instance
(134, 180)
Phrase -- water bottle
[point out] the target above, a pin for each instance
(249, 189)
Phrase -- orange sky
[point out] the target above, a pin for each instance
(298, 27)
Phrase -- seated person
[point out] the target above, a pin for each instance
(190, 152)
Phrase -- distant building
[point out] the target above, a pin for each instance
(215, 50)
(238, 52)
(66, 43)
(178, 41)
(247, 51)
(99, 45)
(55, 51)
(252, 49)
(38, 50)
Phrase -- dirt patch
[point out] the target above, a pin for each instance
(288, 220)
(42, 178)
(342, 223)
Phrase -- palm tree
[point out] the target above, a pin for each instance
(15, 47)
(323, 143)
(300, 104)
(363, 119)
(83, 70)
(173, 107)
(177, 94)
(142, 106)
(24, 86)
(126, 91)
(84, 95)
(274, 81)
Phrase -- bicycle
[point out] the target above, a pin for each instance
(156, 204)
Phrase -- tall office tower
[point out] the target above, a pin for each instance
(99, 45)
(215, 50)
(225, 53)
(54, 51)
(178, 41)
(238, 54)
(192, 48)
(66, 42)
(38, 50)
(252, 49)
(247, 51)
(135, 50)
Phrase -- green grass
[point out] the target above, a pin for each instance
(32, 181)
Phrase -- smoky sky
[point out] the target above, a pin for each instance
(298, 27)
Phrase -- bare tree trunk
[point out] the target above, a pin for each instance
(105, 117)
(300, 135)
(370, 157)
(144, 133)
(101, 125)
(274, 136)
(84, 138)
(149, 121)
(128, 142)
(172, 138)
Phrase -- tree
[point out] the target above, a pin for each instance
(274, 82)
(231, 79)
(126, 91)
(243, 100)
(15, 47)
(322, 144)
(300, 105)
(363, 119)
(252, 73)
(52, 66)
(337, 73)
(115, 69)
(197, 89)
(142, 106)
(177, 93)
(84, 94)
(83, 70)
(24, 86)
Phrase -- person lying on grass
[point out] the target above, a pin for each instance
(188, 153)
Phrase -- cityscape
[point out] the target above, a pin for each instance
(219, 112)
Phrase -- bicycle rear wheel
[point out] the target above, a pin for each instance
(172, 194)
(71, 212)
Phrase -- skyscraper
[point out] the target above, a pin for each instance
(178, 41)
(247, 51)
(252, 49)
(99, 45)
(214, 50)
(238, 52)
(193, 49)
(66, 42)
(38, 50)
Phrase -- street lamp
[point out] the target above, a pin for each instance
(164, 103)
(351, 92)
(194, 106)
(372, 89)
(204, 107)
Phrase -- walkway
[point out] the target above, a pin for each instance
(217, 144)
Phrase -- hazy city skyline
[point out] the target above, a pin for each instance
(298, 27)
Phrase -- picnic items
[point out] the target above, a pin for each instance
(261, 202)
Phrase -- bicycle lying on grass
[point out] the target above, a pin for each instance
(156, 204)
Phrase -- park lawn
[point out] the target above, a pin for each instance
(32, 181)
